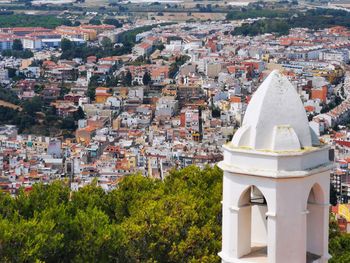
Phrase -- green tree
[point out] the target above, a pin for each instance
(112, 21)
(93, 235)
(41, 198)
(177, 219)
(26, 53)
(146, 78)
(333, 200)
(23, 20)
(111, 81)
(79, 114)
(127, 79)
(161, 47)
(143, 220)
(50, 116)
(334, 230)
(25, 121)
(17, 45)
(216, 112)
(38, 88)
(33, 105)
(106, 43)
(8, 94)
(66, 44)
(91, 92)
(95, 21)
(28, 240)
(63, 91)
(68, 123)
(8, 115)
(93, 84)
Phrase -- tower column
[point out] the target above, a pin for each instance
(325, 255)
(317, 239)
(287, 234)
(236, 240)
(271, 237)
(236, 223)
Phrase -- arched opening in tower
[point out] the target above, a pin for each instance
(314, 224)
(253, 222)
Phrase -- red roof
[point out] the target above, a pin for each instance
(309, 108)
(144, 45)
(343, 143)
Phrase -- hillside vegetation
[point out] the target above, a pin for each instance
(280, 24)
(22, 20)
(143, 220)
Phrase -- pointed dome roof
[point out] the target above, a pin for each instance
(275, 118)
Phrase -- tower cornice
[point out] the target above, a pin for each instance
(276, 164)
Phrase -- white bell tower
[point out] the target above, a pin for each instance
(276, 182)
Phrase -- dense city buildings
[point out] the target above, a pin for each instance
(171, 102)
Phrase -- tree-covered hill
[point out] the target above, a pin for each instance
(23, 20)
(144, 220)
(313, 19)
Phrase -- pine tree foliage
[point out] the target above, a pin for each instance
(143, 220)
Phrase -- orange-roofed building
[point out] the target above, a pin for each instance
(343, 215)
(343, 143)
(142, 49)
(339, 135)
(135, 134)
(320, 93)
(102, 94)
(77, 32)
(97, 122)
(212, 45)
(98, 28)
(22, 31)
(108, 60)
(231, 69)
(48, 64)
(122, 164)
(33, 173)
(113, 149)
(240, 69)
(123, 91)
(169, 91)
(289, 73)
(339, 30)
(235, 99)
(128, 163)
(84, 135)
(287, 41)
(254, 65)
(91, 59)
(309, 108)
(159, 74)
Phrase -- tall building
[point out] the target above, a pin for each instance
(276, 182)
